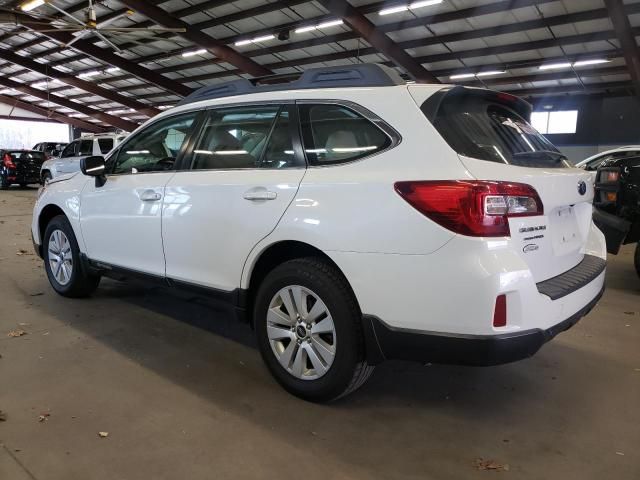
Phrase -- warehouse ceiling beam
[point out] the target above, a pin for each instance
(63, 102)
(381, 42)
(627, 38)
(72, 80)
(199, 38)
(76, 122)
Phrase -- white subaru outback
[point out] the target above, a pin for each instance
(351, 218)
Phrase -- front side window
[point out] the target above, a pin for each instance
(336, 134)
(236, 138)
(155, 148)
(70, 150)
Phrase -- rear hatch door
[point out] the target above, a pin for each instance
(494, 141)
(27, 163)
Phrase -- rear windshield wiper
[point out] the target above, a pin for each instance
(549, 154)
(540, 153)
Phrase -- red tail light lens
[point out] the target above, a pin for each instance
(8, 161)
(476, 208)
(500, 313)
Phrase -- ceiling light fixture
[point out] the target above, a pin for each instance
(263, 38)
(91, 73)
(31, 4)
(552, 66)
(490, 72)
(112, 70)
(309, 28)
(595, 61)
(462, 76)
(194, 52)
(410, 6)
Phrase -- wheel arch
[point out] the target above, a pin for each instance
(272, 256)
(46, 215)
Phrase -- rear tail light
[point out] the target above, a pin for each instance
(500, 312)
(476, 208)
(8, 161)
(611, 196)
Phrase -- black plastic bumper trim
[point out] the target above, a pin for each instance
(388, 343)
(576, 278)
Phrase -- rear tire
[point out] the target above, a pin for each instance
(636, 259)
(23, 185)
(317, 354)
(62, 261)
(4, 184)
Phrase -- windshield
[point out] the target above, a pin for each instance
(480, 128)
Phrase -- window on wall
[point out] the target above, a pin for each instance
(561, 121)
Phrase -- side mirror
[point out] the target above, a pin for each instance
(94, 167)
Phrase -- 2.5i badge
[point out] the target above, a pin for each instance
(530, 247)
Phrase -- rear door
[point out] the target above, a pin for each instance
(243, 172)
(489, 132)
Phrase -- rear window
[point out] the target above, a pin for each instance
(480, 128)
(34, 155)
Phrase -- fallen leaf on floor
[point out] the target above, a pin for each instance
(24, 324)
(620, 453)
(16, 333)
(3, 416)
(629, 313)
(103, 434)
(22, 251)
(37, 294)
(43, 416)
(482, 464)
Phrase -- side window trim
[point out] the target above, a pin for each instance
(367, 114)
(196, 124)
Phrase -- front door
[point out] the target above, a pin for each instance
(121, 220)
(242, 174)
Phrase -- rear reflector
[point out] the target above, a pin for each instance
(500, 313)
(476, 208)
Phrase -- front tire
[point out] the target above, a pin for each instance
(46, 177)
(62, 261)
(309, 330)
(636, 259)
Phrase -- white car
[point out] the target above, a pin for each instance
(352, 218)
(69, 159)
(592, 163)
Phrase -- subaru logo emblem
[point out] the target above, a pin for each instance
(582, 187)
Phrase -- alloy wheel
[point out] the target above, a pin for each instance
(301, 332)
(60, 257)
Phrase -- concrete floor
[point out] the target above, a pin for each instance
(183, 393)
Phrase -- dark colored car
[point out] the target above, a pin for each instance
(50, 149)
(617, 203)
(20, 167)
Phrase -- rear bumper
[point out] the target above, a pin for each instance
(387, 343)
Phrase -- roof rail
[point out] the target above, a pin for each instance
(361, 75)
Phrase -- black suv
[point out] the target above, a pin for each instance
(617, 203)
(20, 166)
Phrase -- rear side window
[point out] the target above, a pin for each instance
(105, 144)
(86, 147)
(335, 134)
(480, 128)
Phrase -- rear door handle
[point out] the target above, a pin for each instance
(260, 195)
(150, 196)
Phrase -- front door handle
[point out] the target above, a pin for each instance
(260, 195)
(150, 196)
